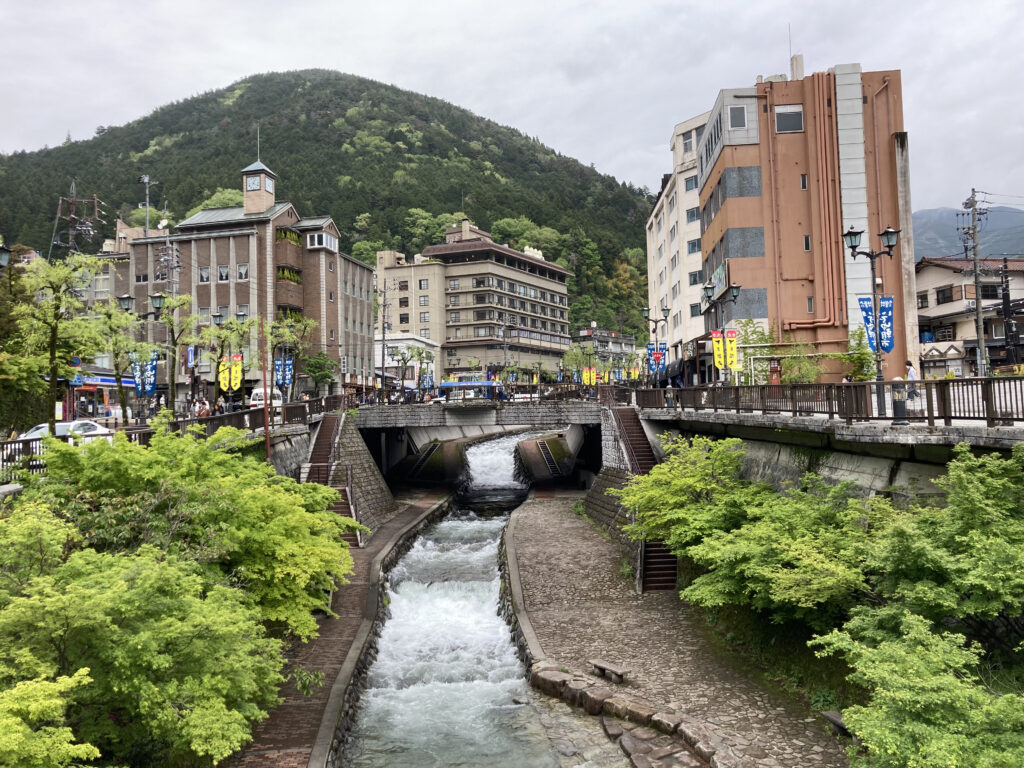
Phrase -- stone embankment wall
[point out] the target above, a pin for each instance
(289, 448)
(375, 504)
(364, 649)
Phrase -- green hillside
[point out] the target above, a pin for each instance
(346, 146)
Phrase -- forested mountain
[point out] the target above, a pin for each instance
(366, 154)
(935, 234)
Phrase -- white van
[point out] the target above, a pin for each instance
(256, 399)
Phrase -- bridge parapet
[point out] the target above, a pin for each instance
(540, 414)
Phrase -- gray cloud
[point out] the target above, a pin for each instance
(603, 81)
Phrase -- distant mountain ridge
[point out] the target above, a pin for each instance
(1001, 233)
(341, 145)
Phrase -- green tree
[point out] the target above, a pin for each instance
(53, 326)
(320, 368)
(859, 357)
(221, 198)
(119, 329)
(199, 499)
(183, 667)
(32, 730)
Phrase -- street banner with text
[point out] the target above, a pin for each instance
(885, 330)
(717, 349)
(236, 372)
(731, 356)
(867, 309)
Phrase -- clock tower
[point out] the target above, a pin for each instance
(258, 183)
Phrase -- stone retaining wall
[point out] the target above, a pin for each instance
(375, 504)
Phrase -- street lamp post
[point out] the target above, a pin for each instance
(656, 321)
(713, 303)
(888, 238)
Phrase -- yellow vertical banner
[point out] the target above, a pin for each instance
(236, 372)
(224, 373)
(719, 352)
(731, 356)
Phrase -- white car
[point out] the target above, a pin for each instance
(256, 399)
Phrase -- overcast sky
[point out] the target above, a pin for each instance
(603, 81)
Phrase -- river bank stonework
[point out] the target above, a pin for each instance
(581, 608)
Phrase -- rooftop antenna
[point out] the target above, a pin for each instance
(257, 140)
(789, 32)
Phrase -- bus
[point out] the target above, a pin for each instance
(471, 389)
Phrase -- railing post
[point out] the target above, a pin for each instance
(929, 402)
(830, 395)
(989, 401)
(945, 396)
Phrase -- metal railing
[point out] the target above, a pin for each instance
(27, 454)
(995, 401)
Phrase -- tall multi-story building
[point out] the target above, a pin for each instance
(261, 259)
(483, 301)
(674, 269)
(784, 168)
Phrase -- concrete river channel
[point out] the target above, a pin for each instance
(447, 688)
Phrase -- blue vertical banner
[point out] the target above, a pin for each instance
(886, 336)
(278, 371)
(663, 349)
(867, 310)
(289, 370)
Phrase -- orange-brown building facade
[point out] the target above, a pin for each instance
(785, 168)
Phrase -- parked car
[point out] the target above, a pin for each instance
(87, 429)
(256, 399)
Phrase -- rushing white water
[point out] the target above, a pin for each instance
(447, 688)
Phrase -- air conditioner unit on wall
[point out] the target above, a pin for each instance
(971, 303)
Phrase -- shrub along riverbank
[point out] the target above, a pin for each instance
(146, 595)
(923, 602)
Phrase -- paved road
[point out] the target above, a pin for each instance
(581, 607)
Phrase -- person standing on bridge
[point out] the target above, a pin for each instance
(912, 393)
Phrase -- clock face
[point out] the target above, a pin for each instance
(270, 185)
(252, 182)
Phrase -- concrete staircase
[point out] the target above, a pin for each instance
(324, 470)
(660, 568)
(638, 447)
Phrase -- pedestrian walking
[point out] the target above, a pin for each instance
(912, 392)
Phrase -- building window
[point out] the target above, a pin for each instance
(141, 277)
(453, 317)
(691, 183)
(204, 315)
(425, 333)
(944, 295)
(332, 334)
(807, 242)
(424, 317)
(453, 285)
(330, 268)
(674, 261)
(204, 274)
(243, 311)
(789, 118)
(696, 278)
(661, 222)
(675, 290)
(922, 300)
(330, 296)
(693, 246)
(738, 116)
(944, 333)
(688, 141)
(403, 302)
(692, 215)
(403, 319)
(424, 301)
(403, 285)
(242, 270)
(424, 284)
(695, 310)
(453, 300)
(803, 181)
(223, 273)
(990, 291)
(673, 231)
(672, 203)
(810, 305)
(482, 330)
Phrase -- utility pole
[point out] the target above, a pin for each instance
(1010, 336)
(969, 235)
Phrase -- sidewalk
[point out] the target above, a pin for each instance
(286, 739)
(581, 608)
